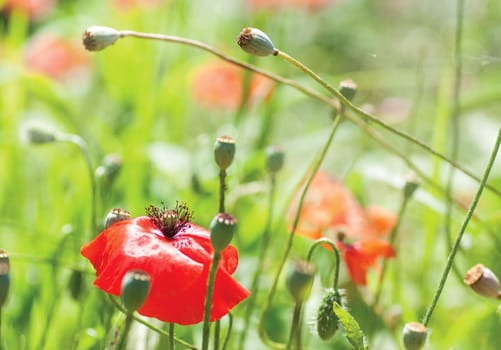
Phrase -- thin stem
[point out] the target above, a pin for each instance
(150, 326)
(306, 91)
(292, 233)
(393, 236)
(125, 334)
(171, 335)
(222, 188)
(335, 251)
(295, 333)
(208, 299)
(228, 332)
(457, 242)
(1, 342)
(217, 334)
(265, 240)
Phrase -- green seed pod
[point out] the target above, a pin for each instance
(348, 89)
(4, 276)
(256, 42)
(414, 335)
(274, 158)
(115, 215)
(327, 321)
(135, 289)
(483, 281)
(222, 228)
(97, 38)
(300, 280)
(411, 185)
(75, 284)
(224, 151)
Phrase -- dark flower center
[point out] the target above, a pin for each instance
(170, 221)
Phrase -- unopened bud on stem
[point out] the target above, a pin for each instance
(256, 42)
(97, 38)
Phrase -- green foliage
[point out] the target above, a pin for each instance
(351, 328)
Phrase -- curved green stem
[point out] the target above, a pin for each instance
(307, 92)
(208, 299)
(290, 241)
(457, 242)
(295, 333)
(228, 332)
(125, 334)
(335, 251)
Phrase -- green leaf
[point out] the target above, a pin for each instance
(351, 328)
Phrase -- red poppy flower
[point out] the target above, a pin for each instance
(330, 208)
(127, 5)
(54, 56)
(219, 84)
(177, 255)
(34, 9)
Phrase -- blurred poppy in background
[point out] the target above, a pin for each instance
(34, 9)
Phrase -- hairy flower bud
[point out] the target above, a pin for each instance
(327, 321)
(224, 151)
(97, 38)
(256, 42)
(483, 281)
(222, 228)
(414, 335)
(135, 289)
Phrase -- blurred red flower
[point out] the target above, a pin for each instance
(126, 5)
(177, 255)
(331, 210)
(220, 84)
(54, 56)
(34, 9)
(281, 4)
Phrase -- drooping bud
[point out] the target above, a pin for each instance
(115, 215)
(483, 281)
(414, 335)
(75, 284)
(97, 38)
(327, 321)
(224, 151)
(135, 289)
(300, 280)
(274, 159)
(37, 132)
(222, 229)
(110, 167)
(256, 42)
(4, 276)
(348, 88)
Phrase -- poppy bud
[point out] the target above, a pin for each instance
(300, 280)
(483, 281)
(274, 159)
(110, 167)
(75, 284)
(410, 186)
(135, 289)
(97, 38)
(348, 88)
(414, 335)
(327, 321)
(255, 42)
(115, 215)
(224, 151)
(4, 276)
(222, 228)
(38, 133)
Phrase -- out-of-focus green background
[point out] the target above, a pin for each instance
(136, 99)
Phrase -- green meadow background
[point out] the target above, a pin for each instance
(135, 100)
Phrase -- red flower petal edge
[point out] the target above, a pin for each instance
(178, 267)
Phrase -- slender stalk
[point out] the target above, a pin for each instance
(222, 188)
(208, 299)
(335, 251)
(265, 240)
(171, 336)
(295, 333)
(457, 242)
(307, 92)
(1, 342)
(217, 334)
(125, 334)
(228, 333)
(150, 326)
(292, 233)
